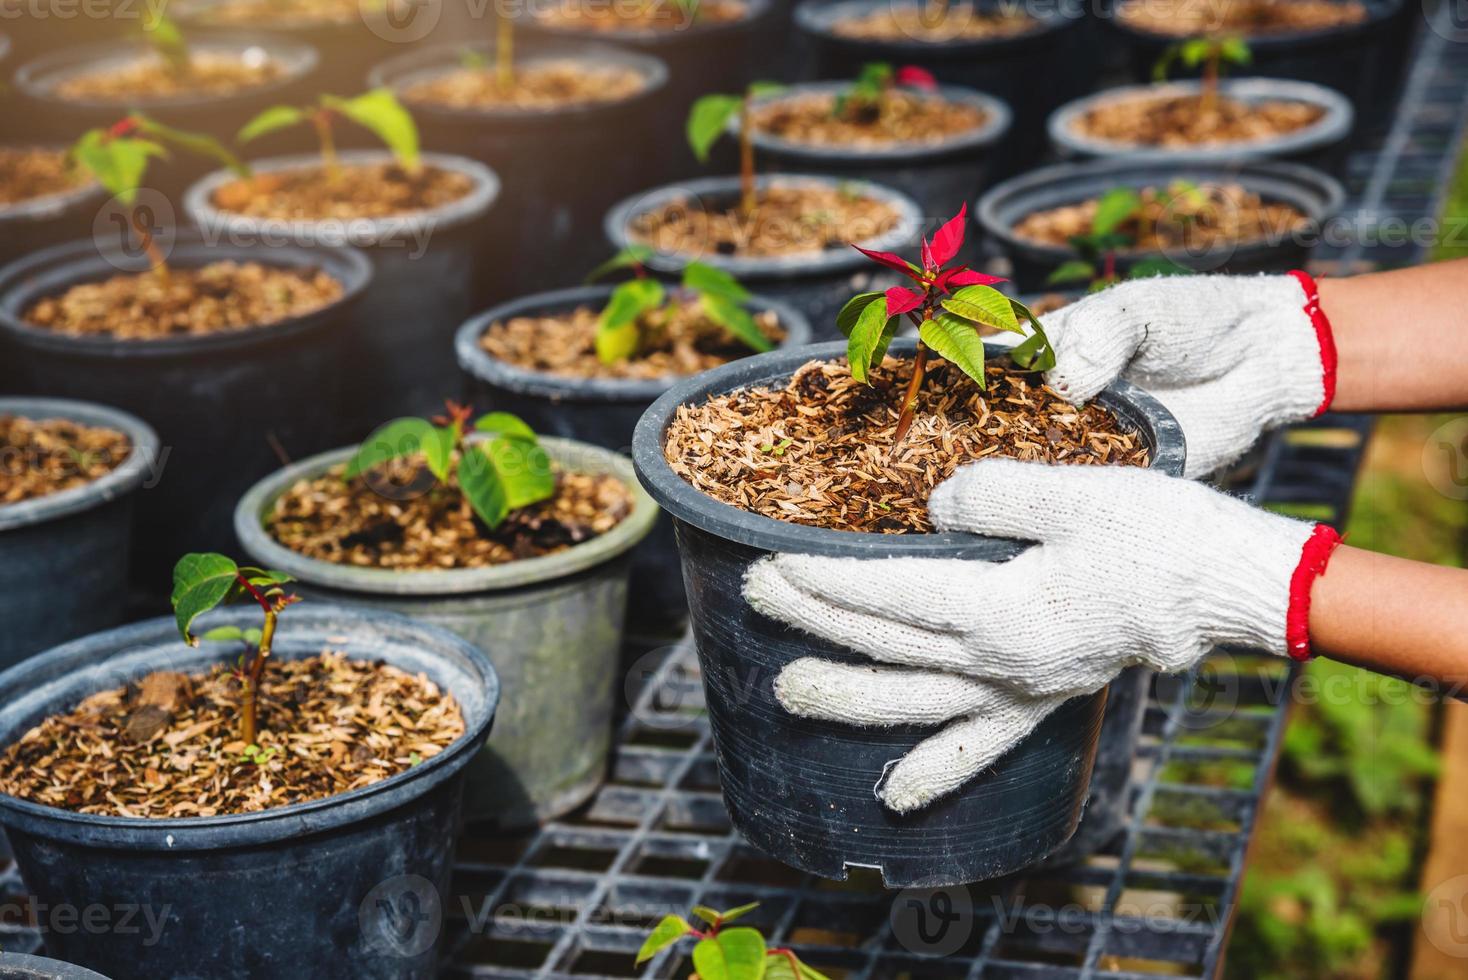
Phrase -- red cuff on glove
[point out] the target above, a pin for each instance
(1313, 558)
(1323, 335)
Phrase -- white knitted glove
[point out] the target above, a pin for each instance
(1133, 567)
(1230, 356)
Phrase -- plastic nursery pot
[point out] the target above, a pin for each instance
(343, 887)
(802, 790)
(18, 966)
(603, 412)
(398, 359)
(62, 555)
(1321, 144)
(551, 625)
(1315, 194)
(39, 222)
(224, 404)
(817, 284)
(561, 164)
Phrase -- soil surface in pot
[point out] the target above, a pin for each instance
(1188, 121)
(150, 77)
(818, 450)
(610, 17)
(169, 745)
(275, 13)
(395, 516)
(787, 219)
(29, 172)
(1186, 18)
(369, 190)
(675, 341)
(917, 24)
(1192, 216)
(215, 298)
(538, 84)
(823, 119)
(45, 456)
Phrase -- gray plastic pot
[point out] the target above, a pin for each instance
(18, 966)
(817, 284)
(603, 412)
(344, 887)
(40, 222)
(398, 359)
(551, 625)
(1322, 144)
(1314, 193)
(64, 556)
(802, 790)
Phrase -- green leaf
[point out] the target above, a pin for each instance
(667, 932)
(870, 338)
(250, 635)
(380, 112)
(118, 163)
(1157, 266)
(503, 475)
(734, 318)
(166, 39)
(1035, 352)
(472, 60)
(481, 486)
(757, 89)
(629, 257)
(1235, 50)
(738, 912)
(851, 312)
(808, 972)
(703, 278)
(957, 341)
(1114, 208)
(982, 304)
(616, 327)
(707, 121)
(506, 426)
(1196, 51)
(201, 581)
(200, 143)
(270, 120)
(399, 438)
(706, 914)
(734, 954)
(1073, 271)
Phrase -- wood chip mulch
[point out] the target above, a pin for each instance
(377, 190)
(1195, 217)
(45, 456)
(169, 745)
(28, 172)
(915, 23)
(274, 13)
(539, 84)
(579, 15)
(819, 450)
(677, 340)
(1184, 121)
(150, 77)
(786, 220)
(215, 298)
(1186, 18)
(396, 517)
(896, 117)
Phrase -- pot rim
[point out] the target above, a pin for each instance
(52, 677)
(478, 363)
(34, 79)
(818, 18)
(260, 546)
(44, 968)
(1377, 11)
(198, 204)
(1331, 128)
(124, 479)
(46, 206)
(349, 266)
(995, 127)
(679, 498)
(755, 11)
(400, 70)
(909, 214)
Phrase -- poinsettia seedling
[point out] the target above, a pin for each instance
(503, 469)
(1098, 247)
(621, 325)
(863, 101)
(168, 42)
(202, 581)
(947, 304)
(1212, 54)
(711, 117)
(378, 111)
(738, 953)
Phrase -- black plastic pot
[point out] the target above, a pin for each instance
(603, 412)
(64, 556)
(224, 404)
(555, 163)
(344, 887)
(399, 358)
(816, 284)
(40, 222)
(801, 790)
(1316, 194)
(18, 966)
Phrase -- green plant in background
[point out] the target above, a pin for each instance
(724, 953)
(168, 42)
(502, 471)
(378, 111)
(711, 117)
(621, 326)
(863, 101)
(1212, 54)
(1098, 247)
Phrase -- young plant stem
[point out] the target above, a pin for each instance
(156, 260)
(504, 52)
(250, 704)
(746, 161)
(910, 397)
(1108, 271)
(322, 121)
(1210, 81)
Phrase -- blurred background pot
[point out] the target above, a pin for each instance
(39, 222)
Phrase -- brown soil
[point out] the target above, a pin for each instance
(216, 298)
(396, 517)
(537, 84)
(819, 450)
(376, 190)
(916, 24)
(149, 77)
(1186, 18)
(788, 220)
(580, 15)
(27, 173)
(1170, 218)
(169, 746)
(676, 341)
(45, 456)
(897, 117)
(274, 13)
(1185, 121)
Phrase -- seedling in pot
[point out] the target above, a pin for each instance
(168, 42)
(864, 100)
(377, 111)
(622, 325)
(947, 306)
(1212, 54)
(710, 118)
(722, 953)
(493, 476)
(202, 581)
(1116, 209)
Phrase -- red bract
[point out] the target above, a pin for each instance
(900, 300)
(964, 276)
(949, 238)
(890, 261)
(916, 77)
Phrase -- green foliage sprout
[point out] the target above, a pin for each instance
(378, 111)
(1097, 263)
(724, 953)
(712, 116)
(1209, 53)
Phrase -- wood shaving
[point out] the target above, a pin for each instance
(895, 117)
(1187, 18)
(1184, 121)
(537, 84)
(150, 77)
(376, 190)
(656, 14)
(28, 172)
(916, 23)
(45, 456)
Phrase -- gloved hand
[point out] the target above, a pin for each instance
(1133, 567)
(1230, 356)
